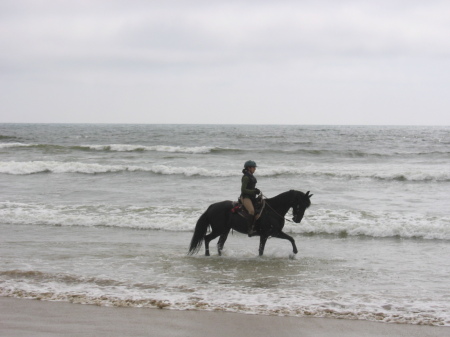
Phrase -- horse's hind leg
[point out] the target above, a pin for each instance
(211, 236)
(221, 242)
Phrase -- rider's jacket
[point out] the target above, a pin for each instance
(248, 186)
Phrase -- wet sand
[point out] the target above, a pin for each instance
(21, 317)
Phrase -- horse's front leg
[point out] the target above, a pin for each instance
(282, 235)
(262, 244)
(221, 242)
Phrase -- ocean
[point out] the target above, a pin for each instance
(104, 214)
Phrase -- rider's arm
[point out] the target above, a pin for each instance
(244, 190)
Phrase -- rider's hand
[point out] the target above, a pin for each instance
(257, 191)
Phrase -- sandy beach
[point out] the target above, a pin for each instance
(21, 317)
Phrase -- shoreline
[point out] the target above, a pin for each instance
(27, 317)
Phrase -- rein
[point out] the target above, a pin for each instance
(275, 210)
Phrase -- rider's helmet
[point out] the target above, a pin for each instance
(249, 163)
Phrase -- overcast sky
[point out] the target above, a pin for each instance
(235, 62)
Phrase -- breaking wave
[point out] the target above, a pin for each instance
(157, 148)
(155, 218)
(122, 148)
(349, 172)
(347, 153)
(340, 223)
(34, 167)
(103, 291)
(345, 223)
(9, 145)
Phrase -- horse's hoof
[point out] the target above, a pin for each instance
(291, 256)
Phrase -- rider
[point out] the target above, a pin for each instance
(249, 193)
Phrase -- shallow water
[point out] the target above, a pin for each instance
(104, 214)
(394, 280)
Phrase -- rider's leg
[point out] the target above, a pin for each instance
(251, 211)
(248, 205)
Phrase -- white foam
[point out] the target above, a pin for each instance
(126, 147)
(190, 171)
(20, 168)
(382, 172)
(375, 224)
(8, 145)
(31, 167)
(158, 148)
(364, 171)
(172, 218)
(157, 218)
(167, 293)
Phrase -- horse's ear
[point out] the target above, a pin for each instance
(309, 195)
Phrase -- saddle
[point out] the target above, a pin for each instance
(238, 208)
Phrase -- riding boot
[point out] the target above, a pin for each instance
(251, 227)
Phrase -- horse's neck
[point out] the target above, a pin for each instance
(280, 203)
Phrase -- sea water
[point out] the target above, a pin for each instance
(104, 214)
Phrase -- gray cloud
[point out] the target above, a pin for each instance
(349, 62)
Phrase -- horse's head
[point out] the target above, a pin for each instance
(300, 203)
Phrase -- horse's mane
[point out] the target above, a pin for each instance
(304, 198)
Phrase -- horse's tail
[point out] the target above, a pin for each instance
(199, 234)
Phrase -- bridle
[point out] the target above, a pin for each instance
(281, 216)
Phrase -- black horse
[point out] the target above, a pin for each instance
(270, 223)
